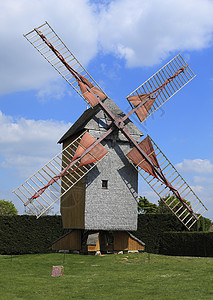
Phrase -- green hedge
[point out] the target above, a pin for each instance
(203, 224)
(152, 226)
(26, 234)
(151, 229)
(187, 243)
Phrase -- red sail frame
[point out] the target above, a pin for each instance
(135, 156)
(95, 154)
(89, 92)
(154, 169)
(149, 98)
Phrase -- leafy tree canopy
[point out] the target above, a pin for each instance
(174, 202)
(163, 208)
(146, 207)
(7, 208)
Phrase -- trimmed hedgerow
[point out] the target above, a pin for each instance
(151, 229)
(187, 243)
(26, 234)
(203, 224)
(152, 226)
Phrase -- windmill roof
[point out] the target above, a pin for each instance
(80, 124)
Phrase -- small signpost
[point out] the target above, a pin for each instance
(57, 271)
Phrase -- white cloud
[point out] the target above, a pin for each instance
(145, 32)
(203, 180)
(204, 188)
(198, 189)
(141, 32)
(21, 67)
(201, 184)
(52, 90)
(200, 166)
(25, 145)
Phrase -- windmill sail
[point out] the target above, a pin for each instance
(189, 208)
(60, 174)
(51, 47)
(160, 87)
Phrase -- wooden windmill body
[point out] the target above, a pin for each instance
(106, 198)
(95, 176)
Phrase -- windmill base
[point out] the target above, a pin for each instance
(97, 242)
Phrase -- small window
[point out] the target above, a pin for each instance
(105, 184)
(102, 123)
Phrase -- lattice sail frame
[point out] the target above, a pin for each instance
(41, 178)
(159, 78)
(172, 175)
(50, 56)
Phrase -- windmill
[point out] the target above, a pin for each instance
(95, 176)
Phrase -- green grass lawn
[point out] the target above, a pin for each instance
(127, 276)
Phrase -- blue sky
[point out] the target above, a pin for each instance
(121, 43)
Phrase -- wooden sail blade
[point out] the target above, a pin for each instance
(51, 47)
(161, 87)
(137, 158)
(190, 209)
(42, 190)
(94, 154)
(142, 111)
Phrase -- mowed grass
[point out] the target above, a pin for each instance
(126, 276)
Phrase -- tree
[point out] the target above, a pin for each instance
(7, 208)
(163, 208)
(176, 205)
(146, 207)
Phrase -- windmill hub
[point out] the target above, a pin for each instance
(119, 123)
